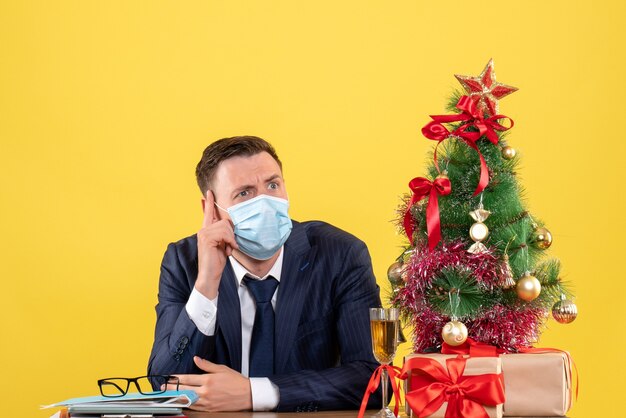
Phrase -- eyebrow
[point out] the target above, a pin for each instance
(274, 177)
(249, 186)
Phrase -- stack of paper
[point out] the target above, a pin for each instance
(169, 403)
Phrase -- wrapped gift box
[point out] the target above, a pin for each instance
(537, 384)
(474, 366)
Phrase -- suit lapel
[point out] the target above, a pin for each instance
(294, 282)
(229, 316)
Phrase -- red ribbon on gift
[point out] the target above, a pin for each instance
(473, 348)
(374, 382)
(478, 349)
(432, 385)
(473, 118)
(421, 188)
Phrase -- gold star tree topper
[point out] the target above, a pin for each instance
(485, 89)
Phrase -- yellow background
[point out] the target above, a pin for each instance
(105, 108)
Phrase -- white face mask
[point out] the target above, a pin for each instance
(262, 225)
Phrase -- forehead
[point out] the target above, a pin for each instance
(243, 170)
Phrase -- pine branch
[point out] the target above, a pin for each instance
(455, 282)
(453, 100)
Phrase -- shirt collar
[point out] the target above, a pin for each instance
(240, 271)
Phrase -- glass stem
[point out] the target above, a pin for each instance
(383, 382)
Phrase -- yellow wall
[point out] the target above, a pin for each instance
(105, 108)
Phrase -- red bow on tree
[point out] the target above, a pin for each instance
(432, 385)
(473, 118)
(421, 188)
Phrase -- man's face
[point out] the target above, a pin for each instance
(238, 179)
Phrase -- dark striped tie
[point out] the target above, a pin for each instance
(262, 344)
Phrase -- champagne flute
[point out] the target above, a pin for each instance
(385, 327)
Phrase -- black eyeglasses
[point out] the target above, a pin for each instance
(114, 387)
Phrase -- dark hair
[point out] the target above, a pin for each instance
(226, 148)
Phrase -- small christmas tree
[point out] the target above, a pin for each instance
(476, 262)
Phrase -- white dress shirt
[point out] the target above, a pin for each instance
(203, 312)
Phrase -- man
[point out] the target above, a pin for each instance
(259, 312)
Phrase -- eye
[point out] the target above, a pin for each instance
(243, 193)
(273, 186)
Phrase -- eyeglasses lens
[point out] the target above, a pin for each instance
(114, 387)
(151, 385)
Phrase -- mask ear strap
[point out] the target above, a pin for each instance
(219, 207)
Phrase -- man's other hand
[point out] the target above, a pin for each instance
(220, 389)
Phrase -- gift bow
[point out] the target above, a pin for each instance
(472, 117)
(374, 382)
(422, 187)
(432, 385)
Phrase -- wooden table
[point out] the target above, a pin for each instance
(336, 414)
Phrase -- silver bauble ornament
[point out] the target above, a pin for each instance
(564, 311)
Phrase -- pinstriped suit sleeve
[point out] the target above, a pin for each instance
(176, 339)
(341, 387)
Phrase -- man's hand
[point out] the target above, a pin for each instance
(216, 241)
(221, 389)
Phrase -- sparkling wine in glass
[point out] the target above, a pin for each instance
(385, 327)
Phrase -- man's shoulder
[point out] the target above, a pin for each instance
(320, 231)
(186, 248)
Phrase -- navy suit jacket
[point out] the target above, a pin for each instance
(323, 355)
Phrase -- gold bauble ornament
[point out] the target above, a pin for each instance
(528, 287)
(394, 273)
(541, 237)
(564, 311)
(454, 333)
(508, 153)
